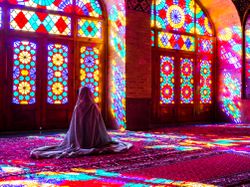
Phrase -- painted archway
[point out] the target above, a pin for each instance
(229, 57)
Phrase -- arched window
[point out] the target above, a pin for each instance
(246, 52)
(52, 48)
(183, 41)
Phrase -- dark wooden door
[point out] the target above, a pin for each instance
(176, 89)
(39, 92)
(58, 86)
(23, 96)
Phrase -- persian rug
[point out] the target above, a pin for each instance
(185, 156)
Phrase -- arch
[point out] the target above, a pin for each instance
(229, 57)
(112, 16)
(183, 46)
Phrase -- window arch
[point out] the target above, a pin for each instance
(182, 40)
(246, 56)
(53, 48)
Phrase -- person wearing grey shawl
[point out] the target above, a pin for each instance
(87, 133)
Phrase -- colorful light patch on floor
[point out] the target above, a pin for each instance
(92, 177)
(185, 141)
(11, 169)
(107, 170)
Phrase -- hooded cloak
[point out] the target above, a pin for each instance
(87, 133)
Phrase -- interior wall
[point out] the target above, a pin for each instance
(138, 70)
(116, 63)
(229, 58)
(227, 24)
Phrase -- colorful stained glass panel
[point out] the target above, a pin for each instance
(56, 5)
(88, 8)
(39, 22)
(90, 70)
(187, 81)
(152, 38)
(57, 74)
(247, 58)
(89, 28)
(167, 80)
(205, 46)
(176, 41)
(24, 72)
(203, 25)
(152, 18)
(205, 66)
(175, 15)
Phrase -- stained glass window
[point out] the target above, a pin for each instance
(247, 58)
(152, 19)
(39, 22)
(89, 28)
(203, 25)
(166, 80)
(57, 74)
(205, 66)
(90, 69)
(205, 45)
(89, 8)
(175, 15)
(152, 38)
(58, 5)
(187, 81)
(0, 17)
(24, 72)
(176, 41)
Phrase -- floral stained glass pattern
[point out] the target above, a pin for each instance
(205, 46)
(247, 58)
(176, 41)
(205, 67)
(88, 8)
(90, 70)
(203, 25)
(57, 74)
(39, 22)
(167, 80)
(58, 5)
(24, 72)
(187, 81)
(89, 28)
(175, 15)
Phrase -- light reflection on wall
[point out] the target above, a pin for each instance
(230, 64)
(231, 97)
(247, 57)
(117, 53)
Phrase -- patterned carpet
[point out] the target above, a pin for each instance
(204, 155)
